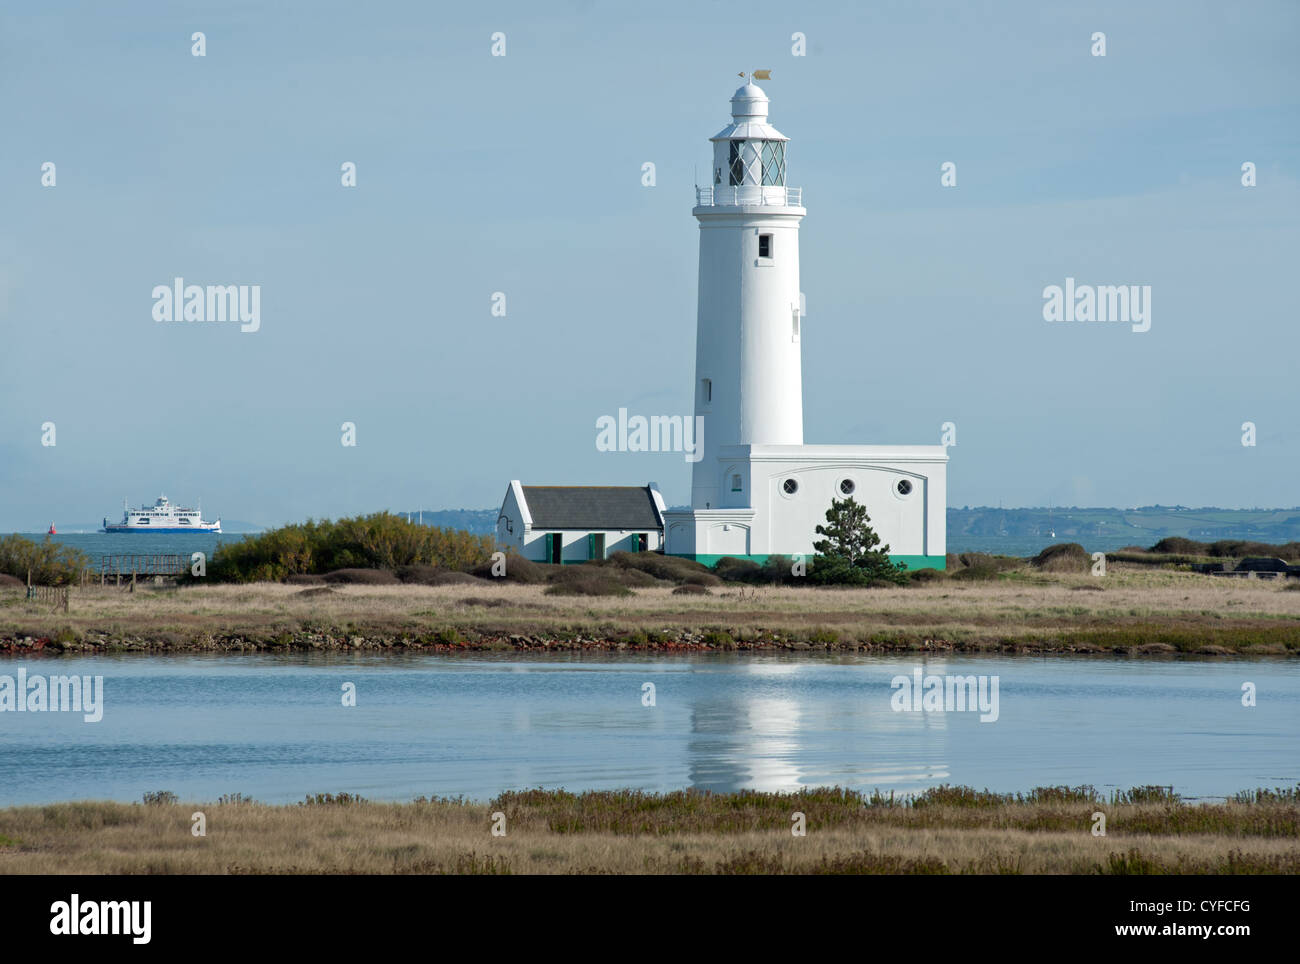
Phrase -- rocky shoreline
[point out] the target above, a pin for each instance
(93, 643)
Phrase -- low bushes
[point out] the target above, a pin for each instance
(1227, 548)
(517, 569)
(362, 577)
(583, 581)
(378, 541)
(979, 566)
(49, 563)
(670, 568)
(423, 575)
(1063, 557)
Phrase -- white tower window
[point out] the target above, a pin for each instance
(735, 482)
(706, 390)
(765, 246)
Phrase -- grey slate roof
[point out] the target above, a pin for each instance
(592, 507)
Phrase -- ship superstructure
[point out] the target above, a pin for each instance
(162, 516)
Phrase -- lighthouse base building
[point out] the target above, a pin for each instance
(775, 496)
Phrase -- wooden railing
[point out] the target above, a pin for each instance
(133, 566)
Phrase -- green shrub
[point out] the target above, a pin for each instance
(518, 569)
(732, 569)
(1064, 557)
(378, 541)
(1227, 548)
(1178, 545)
(586, 581)
(669, 568)
(919, 576)
(159, 798)
(50, 563)
(719, 639)
(838, 571)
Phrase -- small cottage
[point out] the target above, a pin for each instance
(576, 523)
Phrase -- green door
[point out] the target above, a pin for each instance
(554, 548)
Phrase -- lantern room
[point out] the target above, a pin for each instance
(749, 152)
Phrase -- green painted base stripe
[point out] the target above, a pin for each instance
(911, 562)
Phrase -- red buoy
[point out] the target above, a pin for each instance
(53, 531)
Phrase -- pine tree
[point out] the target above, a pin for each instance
(848, 553)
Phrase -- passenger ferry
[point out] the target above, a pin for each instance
(162, 516)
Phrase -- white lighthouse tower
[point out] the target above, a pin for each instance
(748, 374)
(757, 490)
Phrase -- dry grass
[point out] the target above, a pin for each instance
(1128, 610)
(679, 833)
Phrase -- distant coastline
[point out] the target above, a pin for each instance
(996, 530)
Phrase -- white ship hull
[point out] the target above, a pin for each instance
(162, 516)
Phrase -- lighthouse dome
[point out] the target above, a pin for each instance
(749, 104)
(749, 117)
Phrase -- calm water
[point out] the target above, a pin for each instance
(275, 729)
(97, 544)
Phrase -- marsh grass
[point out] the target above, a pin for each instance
(947, 830)
(1140, 611)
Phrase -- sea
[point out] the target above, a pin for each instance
(96, 544)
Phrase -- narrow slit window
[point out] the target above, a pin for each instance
(735, 483)
(706, 390)
(765, 246)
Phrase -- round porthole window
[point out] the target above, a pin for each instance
(847, 486)
(904, 487)
(790, 486)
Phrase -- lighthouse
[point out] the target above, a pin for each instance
(757, 489)
(748, 374)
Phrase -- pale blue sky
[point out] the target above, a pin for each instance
(522, 174)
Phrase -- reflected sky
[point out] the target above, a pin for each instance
(276, 729)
